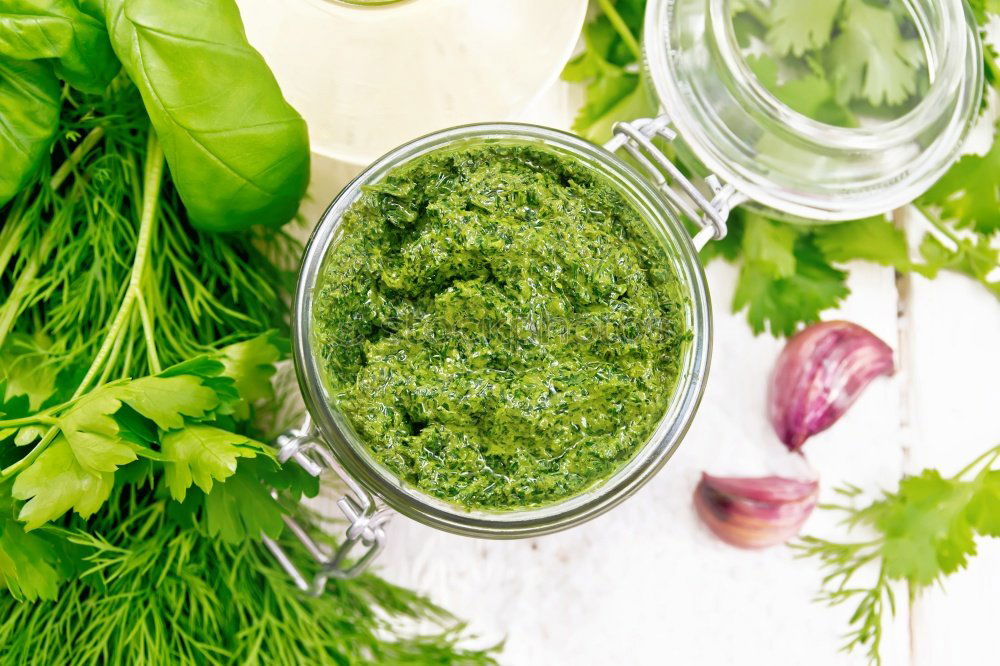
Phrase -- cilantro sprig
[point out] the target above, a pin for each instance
(834, 62)
(922, 532)
(609, 66)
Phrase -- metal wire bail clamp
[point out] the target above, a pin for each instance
(365, 517)
(636, 138)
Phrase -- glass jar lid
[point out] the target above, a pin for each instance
(745, 84)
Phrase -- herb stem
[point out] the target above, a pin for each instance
(152, 180)
(995, 451)
(619, 25)
(89, 141)
(28, 420)
(936, 223)
(109, 365)
(50, 435)
(11, 236)
(11, 308)
(147, 329)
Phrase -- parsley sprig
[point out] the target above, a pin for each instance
(923, 532)
(835, 62)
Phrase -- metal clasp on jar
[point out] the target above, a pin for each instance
(636, 138)
(365, 516)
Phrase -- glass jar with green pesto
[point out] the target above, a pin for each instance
(498, 324)
(503, 330)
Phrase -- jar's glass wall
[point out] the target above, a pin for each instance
(352, 453)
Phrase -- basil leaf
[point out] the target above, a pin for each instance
(37, 29)
(29, 117)
(237, 151)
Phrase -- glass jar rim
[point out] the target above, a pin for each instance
(347, 447)
(941, 118)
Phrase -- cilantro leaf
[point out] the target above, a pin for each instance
(926, 529)
(980, 8)
(783, 284)
(975, 258)
(811, 94)
(56, 483)
(609, 66)
(969, 193)
(200, 454)
(871, 239)
(770, 245)
(984, 507)
(799, 26)
(814, 97)
(869, 59)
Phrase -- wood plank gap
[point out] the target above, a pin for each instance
(904, 363)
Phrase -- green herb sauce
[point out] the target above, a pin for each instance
(499, 325)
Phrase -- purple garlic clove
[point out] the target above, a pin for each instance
(754, 512)
(819, 374)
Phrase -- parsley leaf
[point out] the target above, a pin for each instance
(92, 435)
(250, 365)
(27, 567)
(56, 482)
(105, 429)
(242, 508)
(200, 454)
(167, 400)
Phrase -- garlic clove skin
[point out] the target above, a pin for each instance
(754, 512)
(819, 374)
